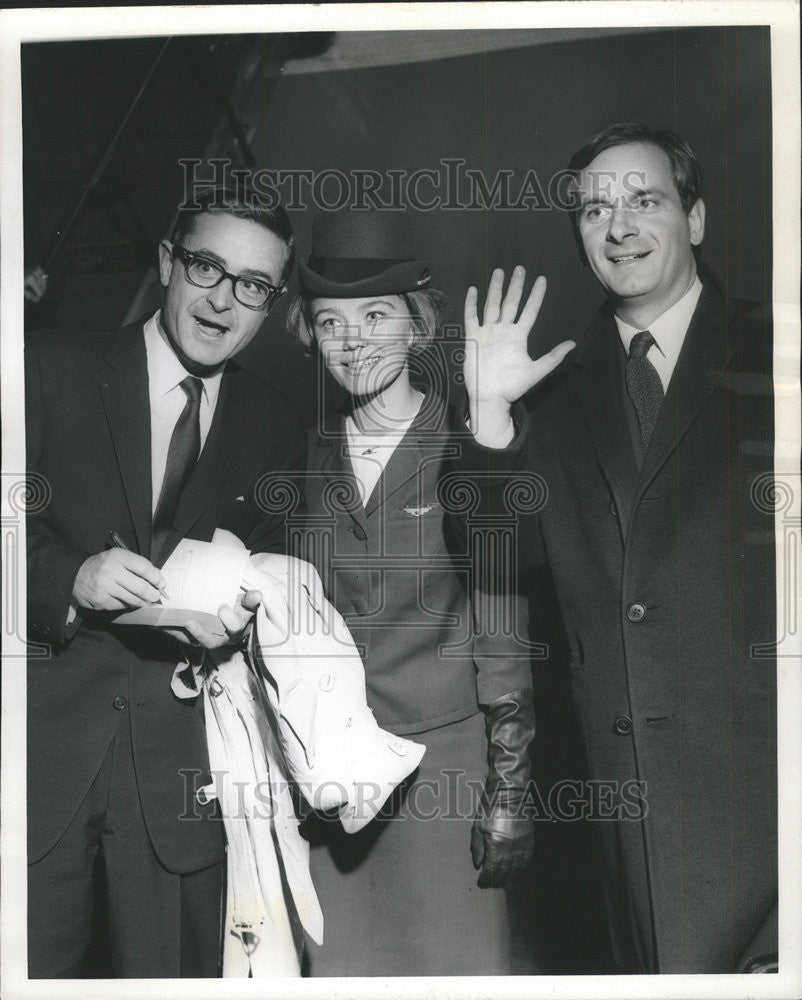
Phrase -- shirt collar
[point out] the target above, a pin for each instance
(165, 371)
(669, 329)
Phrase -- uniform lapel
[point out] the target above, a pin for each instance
(336, 467)
(703, 360)
(124, 389)
(600, 391)
(425, 442)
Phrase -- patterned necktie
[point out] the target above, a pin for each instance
(643, 385)
(181, 458)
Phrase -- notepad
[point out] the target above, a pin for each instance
(200, 576)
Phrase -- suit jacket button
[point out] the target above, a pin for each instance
(622, 725)
(360, 605)
(636, 612)
(612, 509)
(119, 703)
(358, 532)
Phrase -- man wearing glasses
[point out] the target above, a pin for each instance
(144, 436)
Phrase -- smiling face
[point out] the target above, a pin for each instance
(207, 326)
(637, 237)
(364, 342)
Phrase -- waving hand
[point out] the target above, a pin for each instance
(498, 369)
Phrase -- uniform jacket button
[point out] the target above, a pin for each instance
(622, 725)
(636, 612)
(119, 703)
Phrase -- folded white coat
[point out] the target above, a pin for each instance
(296, 713)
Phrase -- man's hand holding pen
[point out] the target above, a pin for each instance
(116, 580)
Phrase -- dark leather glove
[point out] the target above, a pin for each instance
(502, 837)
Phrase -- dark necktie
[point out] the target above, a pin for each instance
(643, 385)
(181, 458)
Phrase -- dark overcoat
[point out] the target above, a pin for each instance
(88, 444)
(665, 580)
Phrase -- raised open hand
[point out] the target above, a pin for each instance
(497, 368)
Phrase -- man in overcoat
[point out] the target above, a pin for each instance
(142, 436)
(653, 441)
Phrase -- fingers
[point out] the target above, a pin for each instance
(509, 307)
(533, 303)
(204, 636)
(235, 619)
(470, 316)
(110, 581)
(493, 301)
(251, 600)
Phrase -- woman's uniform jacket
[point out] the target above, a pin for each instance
(665, 580)
(401, 574)
(88, 456)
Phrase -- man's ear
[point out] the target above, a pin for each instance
(165, 262)
(696, 222)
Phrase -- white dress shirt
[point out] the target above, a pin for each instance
(668, 331)
(168, 399)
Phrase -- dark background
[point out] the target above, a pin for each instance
(524, 107)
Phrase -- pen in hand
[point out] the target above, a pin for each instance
(118, 543)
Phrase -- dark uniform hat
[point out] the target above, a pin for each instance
(360, 253)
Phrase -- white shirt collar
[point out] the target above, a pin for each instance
(668, 331)
(165, 371)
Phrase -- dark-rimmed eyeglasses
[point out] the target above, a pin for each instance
(253, 293)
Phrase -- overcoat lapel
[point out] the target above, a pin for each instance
(703, 360)
(600, 391)
(124, 389)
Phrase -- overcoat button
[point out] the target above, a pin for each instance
(636, 612)
(119, 703)
(623, 725)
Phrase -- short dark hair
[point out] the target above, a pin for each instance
(685, 168)
(242, 203)
(426, 307)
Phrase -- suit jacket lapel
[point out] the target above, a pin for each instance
(599, 387)
(124, 389)
(705, 355)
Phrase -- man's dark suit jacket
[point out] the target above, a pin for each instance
(665, 579)
(88, 423)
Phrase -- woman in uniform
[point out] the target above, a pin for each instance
(387, 529)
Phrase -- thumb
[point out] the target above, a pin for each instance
(477, 846)
(546, 364)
